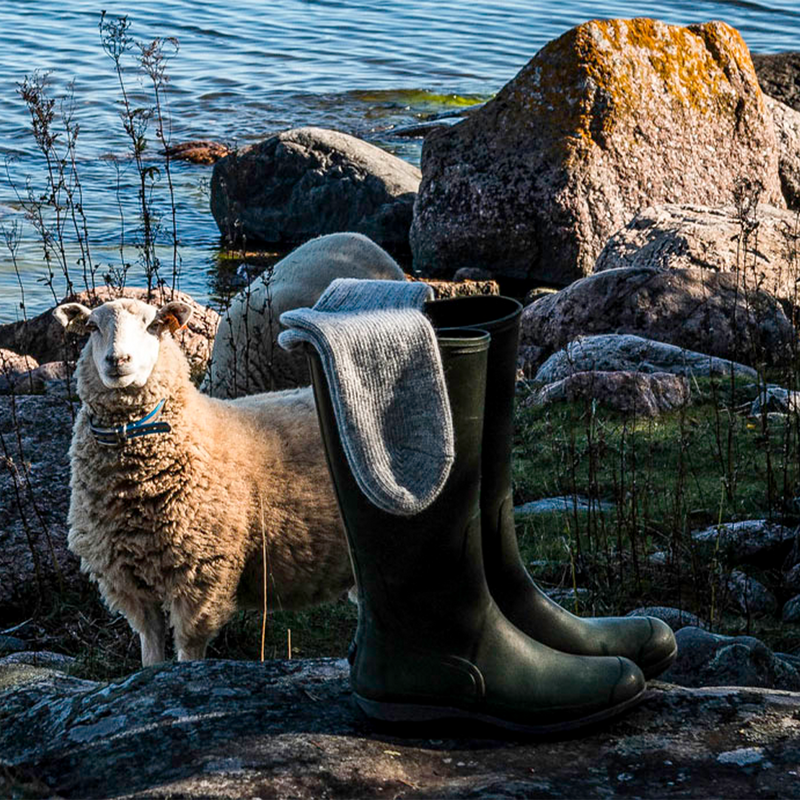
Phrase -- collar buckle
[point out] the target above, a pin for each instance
(119, 434)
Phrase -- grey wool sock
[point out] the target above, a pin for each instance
(386, 381)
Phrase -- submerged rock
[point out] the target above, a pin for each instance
(198, 151)
(612, 116)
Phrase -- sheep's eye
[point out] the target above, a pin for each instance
(90, 326)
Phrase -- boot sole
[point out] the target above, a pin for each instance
(412, 712)
(656, 669)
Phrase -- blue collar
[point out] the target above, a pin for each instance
(117, 436)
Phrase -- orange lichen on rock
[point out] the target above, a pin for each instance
(605, 71)
(611, 117)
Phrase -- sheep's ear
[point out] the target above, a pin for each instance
(72, 315)
(172, 317)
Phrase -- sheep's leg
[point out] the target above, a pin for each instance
(191, 648)
(193, 629)
(148, 621)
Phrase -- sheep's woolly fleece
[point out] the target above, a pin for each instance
(177, 517)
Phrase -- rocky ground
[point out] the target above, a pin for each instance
(289, 729)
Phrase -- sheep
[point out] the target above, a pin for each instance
(246, 357)
(177, 520)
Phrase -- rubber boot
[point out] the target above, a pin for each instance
(647, 641)
(431, 643)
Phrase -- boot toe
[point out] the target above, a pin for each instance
(659, 651)
(630, 685)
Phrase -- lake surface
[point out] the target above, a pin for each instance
(361, 66)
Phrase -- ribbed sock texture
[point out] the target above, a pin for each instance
(386, 382)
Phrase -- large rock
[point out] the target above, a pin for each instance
(289, 729)
(22, 375)
(686, 237)
(629, 353)
(310, 181)
(779, 76)
(791, 610)
(695, 309)
(44, 338)
(41, 337)
(710, 659)
(792, 579)
(613, 116)
(246, 357)
(644, 394)
(787, 131)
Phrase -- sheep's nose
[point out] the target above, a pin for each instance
(117, 360)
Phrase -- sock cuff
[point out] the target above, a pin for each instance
(386, 382)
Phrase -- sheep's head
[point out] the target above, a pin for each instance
(124, 336)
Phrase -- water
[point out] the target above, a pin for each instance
(362, 66)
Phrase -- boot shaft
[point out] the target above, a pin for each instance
(408, 570)
(500, 317)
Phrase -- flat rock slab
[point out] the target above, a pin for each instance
(289, 729)
(566, 504)
(612, 351)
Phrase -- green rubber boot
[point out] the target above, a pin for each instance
(431, 643)
(646, 641)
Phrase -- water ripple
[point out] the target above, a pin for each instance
(248, 69)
